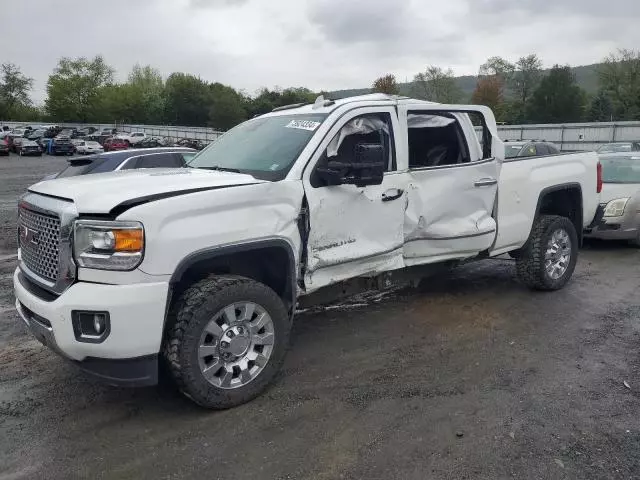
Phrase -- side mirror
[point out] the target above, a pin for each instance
(367, 168)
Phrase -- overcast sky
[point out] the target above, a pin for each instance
(320, 44)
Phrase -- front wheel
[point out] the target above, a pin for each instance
(549, 257)
(226, 341)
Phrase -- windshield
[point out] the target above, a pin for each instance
(511, 151)
(624, 169)
(265, 147)
(615, 147)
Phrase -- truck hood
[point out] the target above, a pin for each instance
(611, 191)
(116, 191)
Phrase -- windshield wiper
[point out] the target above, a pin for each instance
(221, 169)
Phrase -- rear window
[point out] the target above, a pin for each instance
(161, 160)
(621, 169)
(542, 149)
(511, 151)
(90, 165)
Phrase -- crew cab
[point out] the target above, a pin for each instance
(202, 268)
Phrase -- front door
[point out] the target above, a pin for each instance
(452, 183)
(354, 230)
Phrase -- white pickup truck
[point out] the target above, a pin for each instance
(133, 138)
(203, 267)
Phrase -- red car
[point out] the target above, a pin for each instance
(114, 143)
(5, 145)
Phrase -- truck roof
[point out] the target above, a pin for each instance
(323, 105)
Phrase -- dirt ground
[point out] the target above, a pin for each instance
(470, 376)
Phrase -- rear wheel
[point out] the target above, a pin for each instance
(227, 339)
(549, 257)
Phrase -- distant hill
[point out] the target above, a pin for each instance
(586, 76)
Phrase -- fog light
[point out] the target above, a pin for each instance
(98, 323)
(91, 327)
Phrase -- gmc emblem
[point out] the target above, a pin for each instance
(29, 235)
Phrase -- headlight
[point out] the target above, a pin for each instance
(615, 208)
(108, 245)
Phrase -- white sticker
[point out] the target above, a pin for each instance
(303, 124)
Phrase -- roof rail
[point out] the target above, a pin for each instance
(288, 107)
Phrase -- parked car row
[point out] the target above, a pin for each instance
(54, 140)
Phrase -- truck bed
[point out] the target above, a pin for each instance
(524, 180)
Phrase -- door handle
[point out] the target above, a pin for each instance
(485, 182)
(392, 194)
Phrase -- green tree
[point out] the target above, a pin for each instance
(292, 95)
(498, 66)
(121, 103)
(600, 108)
(524, 79)
(386, 84)
(226, 107)
(186, 100)
(619, 79)
(74, 89)
(14, 91)
(557, 99)
(266, 100)
(27, 113)
(436, 85)
(146, 82)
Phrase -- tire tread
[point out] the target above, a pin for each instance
(184, 314)
(530, 263)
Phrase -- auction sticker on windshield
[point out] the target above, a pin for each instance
(303, 124)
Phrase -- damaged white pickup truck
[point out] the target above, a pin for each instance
(203, 267)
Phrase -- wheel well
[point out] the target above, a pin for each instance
(270, 265)
(566, 202)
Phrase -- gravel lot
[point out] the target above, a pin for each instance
(469, 376)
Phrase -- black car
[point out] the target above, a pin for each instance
(61, 146)
(52, 132)
(529, 148)
(29, 147)
(170, 157)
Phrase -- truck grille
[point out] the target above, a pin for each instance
(39, 238)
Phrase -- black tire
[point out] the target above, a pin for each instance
(188, 316)
(530, 263)
(635, 242)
